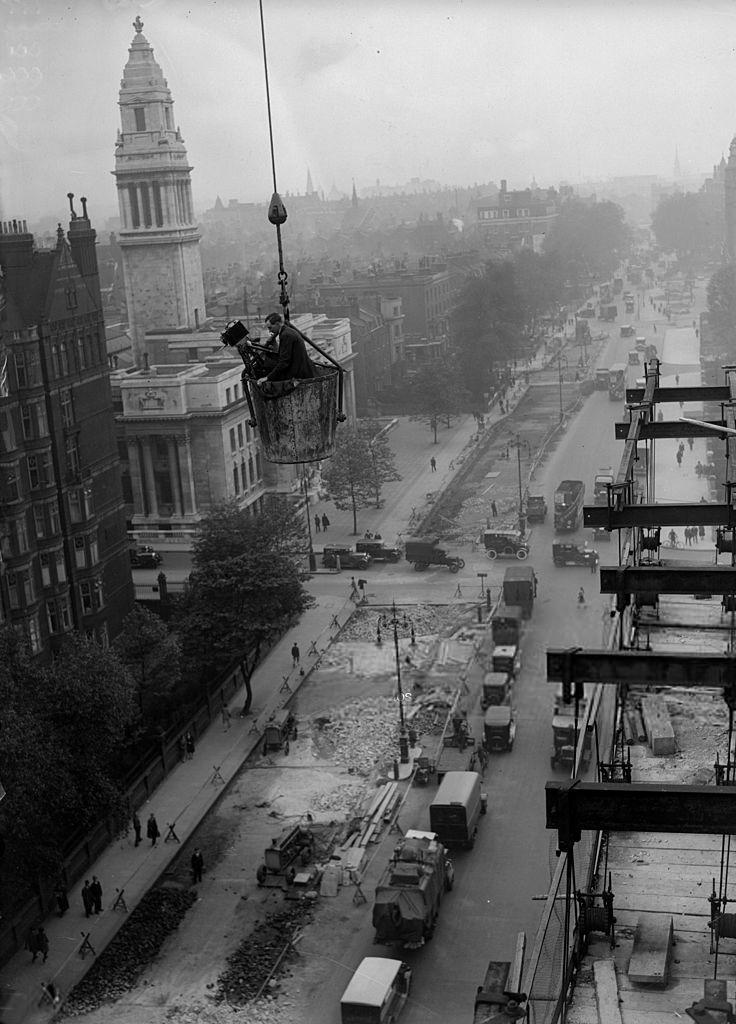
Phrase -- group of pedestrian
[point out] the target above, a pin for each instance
(321, 522)
(693, 532)
(92, 896)
(185, 746)
(38, 942)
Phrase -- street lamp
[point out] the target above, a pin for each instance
(312, 559)
(406, 623)
(518, 443)
(560, 360)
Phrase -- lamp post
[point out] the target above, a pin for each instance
(312, 559)
(518, 444)
(560, 360)
(406, 623)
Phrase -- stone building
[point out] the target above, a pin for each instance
(159, 237)
(63, 544)
(512, 220)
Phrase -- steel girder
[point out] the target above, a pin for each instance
(656, 668)
(671, 579)
(649, 515)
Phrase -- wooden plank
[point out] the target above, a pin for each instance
(650, 959)
(654, 903)
(630, 858)
(606, 992)
(670, 840)
(517, 965)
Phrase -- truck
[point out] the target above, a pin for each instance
(456, 809)
(569, 505)
(410, 890)
(425, 551)
(507, 624)
(629, 305)
(458, 747)
(536, 508)
(500, 999)
(520, 588)
(601, 480)
(617, 382)
(618, 285)
(609, 313)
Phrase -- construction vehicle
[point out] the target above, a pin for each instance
(566, 731)
(410, 890)
(499, 728)
(425, 551)
(601, 480)
(294, 846)
(280, 728)
(536, 508)
(458, 747)
(506, 624)
(569, 505)
(377, 992)
(456, 809)
(520, 588)
(617, 381)
(499, 1000)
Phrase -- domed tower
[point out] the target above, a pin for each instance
(730, 201)
(159, 238)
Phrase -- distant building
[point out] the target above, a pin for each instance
(513, 220)
(64, 550)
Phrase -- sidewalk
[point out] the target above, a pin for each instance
(188, 792)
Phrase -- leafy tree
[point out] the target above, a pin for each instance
(362, 462)
(228, 531)
(231, 608)
(722, 307)
(540, 285)
(151, 655)
(587, 240)
(682, 224)
(436, 391)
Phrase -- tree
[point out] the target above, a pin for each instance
(360, 465)
(682, 224)
(436, 391)
(228, 531)
(231, 608)
(587, 240)
(151, 655)
(722, 308)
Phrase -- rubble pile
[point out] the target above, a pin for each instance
(119, 967)
(260, 1012)
(345, 798)
(364, 734)
(251, 963)
(427, 619)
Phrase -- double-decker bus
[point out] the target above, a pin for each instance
(617, 382)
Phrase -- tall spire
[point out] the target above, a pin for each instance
(310, 187)
(354, 198)
(676, 173)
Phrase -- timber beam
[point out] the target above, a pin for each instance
(668, 579)
(655, 668)
(707, 393)
(650, 515)
(638, 807)
(668, 429)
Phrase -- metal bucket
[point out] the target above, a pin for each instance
(297, 418)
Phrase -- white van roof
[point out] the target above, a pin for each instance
(372, 980)
(456, 788)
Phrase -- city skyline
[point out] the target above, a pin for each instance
(454, 92)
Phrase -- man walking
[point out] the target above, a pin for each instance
(197, 863)
(87, 898)
(137, 828)
(225, 718)
(295, 654)
(325, 523)
(96, 890)
(152, 830)
(42, 944)
(317, 524)
(433, 464)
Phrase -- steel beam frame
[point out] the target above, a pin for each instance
(619, 517)
(672, 579)
(706, 393)
(669, 429)
(638, 667)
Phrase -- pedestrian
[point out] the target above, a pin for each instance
(42, 943)
(325, 523)
(87, 898)
(581, 596)
(679, 457)
(502, 408)
(225, 718)
(96, 890)
(32, 943)
(690, 443)
(536, 582)
(433, 464)
(494, 509)
(137, 828)
(701, 532)
(677, 378)
(189, 741)
(152, 830)
(62, 900)
(197, 863)
(317, 524)
(353, 590)
(655, 328)
(182, 748)
(295, 654)
(458, 591)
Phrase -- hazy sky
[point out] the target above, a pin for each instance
(459, 91)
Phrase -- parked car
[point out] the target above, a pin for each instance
(378, 551)
(145, 558)
(627, 331)
(506, 544)
(349, 559)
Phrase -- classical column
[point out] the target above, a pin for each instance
(136, 481)
(184, 446)
(174, 476)
(150, 477)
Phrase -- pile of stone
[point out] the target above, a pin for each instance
(117, 969)
(259, 959)
(427, 620)
(364, 734)
(344, 799)
(261, 1011)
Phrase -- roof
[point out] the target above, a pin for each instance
(498, 714)
(456, 787)
(371, 981)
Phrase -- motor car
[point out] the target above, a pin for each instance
(349, 559)
(378, 551)
(627, 331)
(145, 558)
(573, 554)
(506, 544)
(641, 344)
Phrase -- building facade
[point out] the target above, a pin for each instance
(512, 220)
(64, 557)
(159, 237)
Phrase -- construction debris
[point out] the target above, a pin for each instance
(261, 1011)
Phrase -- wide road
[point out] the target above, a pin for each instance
(514, 856)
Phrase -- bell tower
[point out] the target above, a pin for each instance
(159, 238)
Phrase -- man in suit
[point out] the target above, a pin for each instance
(293, 361)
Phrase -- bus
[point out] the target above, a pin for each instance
(617, 382)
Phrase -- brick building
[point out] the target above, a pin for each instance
(63, 543)
(512, 220)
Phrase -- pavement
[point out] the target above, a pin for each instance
(186, 795)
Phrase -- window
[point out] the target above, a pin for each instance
(103, 637)
(251, 473)
(63, 356)
(88, 505)
(54, 520)
(167, 117)
(45, 570)
(240, 435)
(60, 567)
(13, 599)
(140, 118)
(71, 303)
(72, 456)
(81, 360)
(244, 475)
(39, 470)
(27, 368)
(34, 633)
(67, 407)
(232, 439)
(94, 555)
(55, 360)
(259, 471)
(88, 597)
(10, 482)
(7, 434)
(228, 396)
(58, 615)
(75, 506)
(235, 480)
(80, 553)
(247, 432)
(134, 209)
(20, 535)
(33, 420)
(236, 392)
